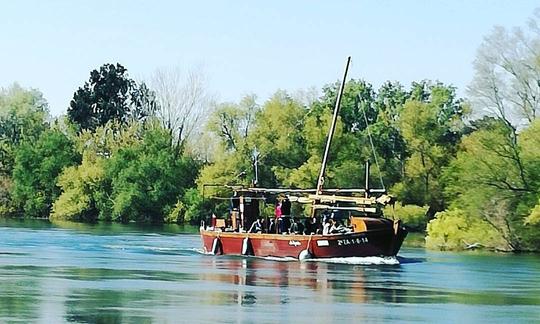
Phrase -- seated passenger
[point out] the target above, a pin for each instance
(327, 226)
(337, 227)
(256, 226)
(294, 227)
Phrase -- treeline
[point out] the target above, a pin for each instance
(465, 170)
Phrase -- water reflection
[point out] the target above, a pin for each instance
(51, 274)
(20, 298)
(250, 276)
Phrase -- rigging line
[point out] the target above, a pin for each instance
(372, 145)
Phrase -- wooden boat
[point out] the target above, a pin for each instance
(367, 232)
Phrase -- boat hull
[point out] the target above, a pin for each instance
(379, 242)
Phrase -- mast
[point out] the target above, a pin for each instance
(320, 182)
(367, 180)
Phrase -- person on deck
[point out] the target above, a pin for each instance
(279, 220)
(300, 226)
(296, 227)
(327, 226)
(337, 227)
(272, 226)
(256, 227)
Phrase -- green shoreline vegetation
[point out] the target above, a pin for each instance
(464, 170)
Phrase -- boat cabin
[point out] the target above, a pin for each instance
(347, 210)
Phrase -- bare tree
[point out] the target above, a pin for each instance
(183, 102)
(507, 78)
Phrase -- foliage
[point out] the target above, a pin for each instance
(147, 179)
(23, 115)
(110, 94)
(6, 206)
(413, 217)
(36, 170)
(496, 179)
(81, 186)
(431, 130)
(196, 206)
(455, 230)
(176, 214)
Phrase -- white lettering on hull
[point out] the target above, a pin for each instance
(294, 243)
(352, 241)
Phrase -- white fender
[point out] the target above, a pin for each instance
(245, 246)
(304, 255)
(215, 246)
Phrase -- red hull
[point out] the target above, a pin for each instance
(380, 242)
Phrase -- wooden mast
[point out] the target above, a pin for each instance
(320, 182)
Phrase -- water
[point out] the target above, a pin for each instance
(127, 274)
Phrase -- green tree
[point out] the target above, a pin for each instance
(497, 182)
(278, 140)
(23, 115)
(431, 129)
(147, 179)
(81, 187)
(37, 166)
(108, 95)
(455, 230)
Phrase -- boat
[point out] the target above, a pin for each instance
(341, 222)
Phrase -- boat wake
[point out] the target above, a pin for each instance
(349, 260)
(372, 260)
(149, 249)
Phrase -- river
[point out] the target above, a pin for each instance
(110, 273)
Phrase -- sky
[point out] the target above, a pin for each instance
(244, 47)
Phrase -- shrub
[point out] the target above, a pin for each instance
(413, 217)
(454, 230)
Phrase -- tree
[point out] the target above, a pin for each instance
(507, 74)
(182, 103)
(23, 115)
(108, 95)
(81, 187)
(37, 166)
(147, 179)
(487, 183)
(431, 129)
(277, 139)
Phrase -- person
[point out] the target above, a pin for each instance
(272, 226)
(327, 226)
(337, 227)
(300, 226)
(256, 227)
(316, 227)
(279, 221)
(307, 226)
(296, 227)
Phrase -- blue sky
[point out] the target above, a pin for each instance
(246, 46)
